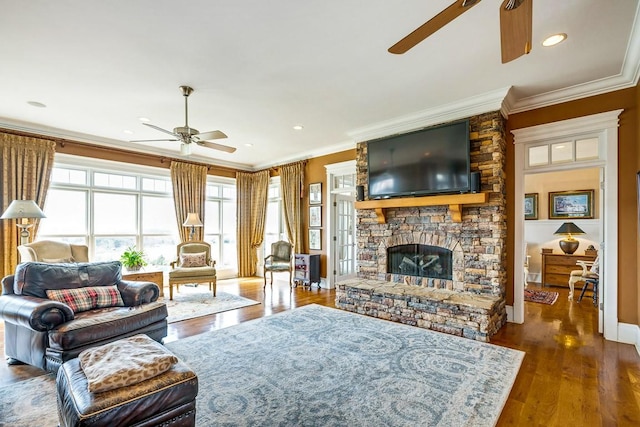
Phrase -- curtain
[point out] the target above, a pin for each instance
(292, 183)
(252, 196)
(25, 165)
(189, 193)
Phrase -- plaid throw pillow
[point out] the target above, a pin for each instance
(83, 299)
(198, 259)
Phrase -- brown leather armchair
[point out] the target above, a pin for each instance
(45, 332)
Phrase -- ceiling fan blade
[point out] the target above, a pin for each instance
(215, 146)
(160, 129)
(152, 140)
(432, 25)
(515, 28)
(206, 136)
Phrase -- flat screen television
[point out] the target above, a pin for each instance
(434, 160)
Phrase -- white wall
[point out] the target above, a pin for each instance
(538, 233)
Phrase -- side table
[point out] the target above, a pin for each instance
(152, 275)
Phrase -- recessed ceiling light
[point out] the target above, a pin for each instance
(144, 119)
(554, 39)
(36, 104)
(298, 127)
(248, 145)
(128, 132)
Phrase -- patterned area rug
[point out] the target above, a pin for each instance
(543, 297)
(197, 301)
(318, 366)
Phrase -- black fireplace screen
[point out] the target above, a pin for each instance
(420, 260)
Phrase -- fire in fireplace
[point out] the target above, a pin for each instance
(420, 260)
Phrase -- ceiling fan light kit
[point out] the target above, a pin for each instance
(515, 27)
(187, 135)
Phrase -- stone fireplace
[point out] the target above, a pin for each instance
(471, 251)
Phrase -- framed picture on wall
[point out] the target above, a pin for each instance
(314, 239)
(531, 206)
(315, 216)
(315, 193)
(571, 204)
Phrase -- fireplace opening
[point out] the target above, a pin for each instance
(420, 260)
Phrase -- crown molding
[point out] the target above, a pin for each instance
(479, 104)
(51, 132)
(323, 151)
(627, 78)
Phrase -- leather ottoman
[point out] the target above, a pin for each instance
(168, 399)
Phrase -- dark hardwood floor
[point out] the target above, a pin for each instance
(570, 375)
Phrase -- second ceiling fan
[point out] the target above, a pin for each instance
(515, 27)
(187, 135)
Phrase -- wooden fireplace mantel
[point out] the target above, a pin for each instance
(455, 202)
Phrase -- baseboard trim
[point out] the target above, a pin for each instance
(629, 334)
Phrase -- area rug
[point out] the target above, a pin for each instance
(542, 297)
(318, 366)
(197, 301)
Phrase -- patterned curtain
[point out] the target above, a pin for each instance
(189, 192)
(292, 183)
(252, 193)
(25, 165)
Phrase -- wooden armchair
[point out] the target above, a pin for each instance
(193, 265)
(280, 260)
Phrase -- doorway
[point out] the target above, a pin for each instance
(341, 223)
(534, 152)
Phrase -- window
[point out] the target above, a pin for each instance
(109, 209)
(559, 152)
(274, 228)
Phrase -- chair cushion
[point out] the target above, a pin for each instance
(193, 260)
(278, 266)
(124, 362)
(103, 323)
(83, 299)
(198, 272)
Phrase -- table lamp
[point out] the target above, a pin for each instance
(193, 221)
(19, 209)
(569, 245)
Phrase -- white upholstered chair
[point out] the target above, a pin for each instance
(53, 252)
(193, 265)
(590, 274)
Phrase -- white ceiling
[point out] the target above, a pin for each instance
(260, 67)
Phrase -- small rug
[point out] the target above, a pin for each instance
(543, 297)
(319, 366)
(198, 301)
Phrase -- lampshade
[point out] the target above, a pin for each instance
(23, 209)
(569, 228)
(19, 209)
(569, 245)
(193, 220)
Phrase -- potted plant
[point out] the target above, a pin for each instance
(133, 259)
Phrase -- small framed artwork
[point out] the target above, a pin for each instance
(571, 204)
(531, 206)
(315, 193)
(315, 216)
(314, 239)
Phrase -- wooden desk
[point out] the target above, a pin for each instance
(155, 276)
(557, 268)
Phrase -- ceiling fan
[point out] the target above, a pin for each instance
(515, 27)
(187, 135)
